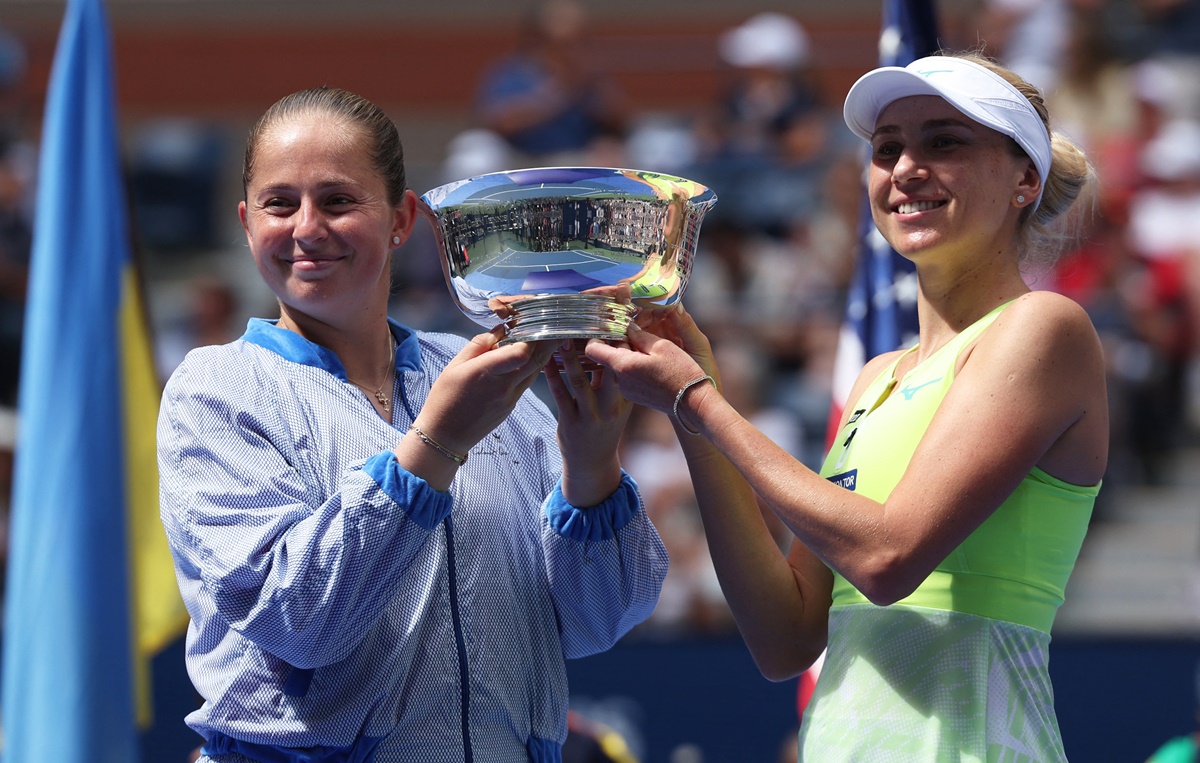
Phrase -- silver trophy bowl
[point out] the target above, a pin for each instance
(566, 252)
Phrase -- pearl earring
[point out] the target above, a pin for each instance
(396, 239)
(1020, 200)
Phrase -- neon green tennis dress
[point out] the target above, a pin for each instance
(957, 671)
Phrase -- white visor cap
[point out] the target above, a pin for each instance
(981, 94)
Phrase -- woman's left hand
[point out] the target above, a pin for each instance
(592, 414)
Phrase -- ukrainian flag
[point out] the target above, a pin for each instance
(91, 590)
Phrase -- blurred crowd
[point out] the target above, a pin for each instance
(776, 253)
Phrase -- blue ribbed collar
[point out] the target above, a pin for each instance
(297, 349)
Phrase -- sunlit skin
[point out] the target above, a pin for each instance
(926, 152)
(319, 223)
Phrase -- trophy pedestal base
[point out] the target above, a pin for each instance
(566, 316)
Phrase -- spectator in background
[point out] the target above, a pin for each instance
(213, 316)
(1163, 90)
(1168, 27)
(475, 151)
(16, 240)
(767, 141)
(1029, 37)
(1162, 302)
(1094, 102)
(16, 230)
(547, 98)
(771, 83)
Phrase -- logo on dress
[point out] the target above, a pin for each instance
(848, 480)
(841, 460)
(909, 391)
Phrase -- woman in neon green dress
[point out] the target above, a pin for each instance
(933, 549)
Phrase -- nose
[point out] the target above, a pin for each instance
(309, 223)
(908, 166)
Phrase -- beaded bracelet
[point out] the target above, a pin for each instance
(458, 458)
(679, 398)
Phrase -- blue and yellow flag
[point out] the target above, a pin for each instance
(91, 591)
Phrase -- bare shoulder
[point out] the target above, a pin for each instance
(1042, 336)
(1044, 359)
(1046, 313)
(1041, 326)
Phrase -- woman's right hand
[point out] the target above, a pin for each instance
(662, 357)
(479, 389)
(678, 325)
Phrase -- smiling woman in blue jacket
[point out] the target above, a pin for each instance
(388, 546)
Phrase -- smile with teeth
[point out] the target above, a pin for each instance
(909, 207)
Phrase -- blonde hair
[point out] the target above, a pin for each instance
(1046, 230)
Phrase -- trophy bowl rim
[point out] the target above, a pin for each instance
(707, 196)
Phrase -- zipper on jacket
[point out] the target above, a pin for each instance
(463, 675)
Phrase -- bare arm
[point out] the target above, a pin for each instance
(1031, 392)
(779, 602)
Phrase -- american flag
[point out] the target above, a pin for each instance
(881, 303)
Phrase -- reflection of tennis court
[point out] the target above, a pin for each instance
(566, 272)
(557, 232)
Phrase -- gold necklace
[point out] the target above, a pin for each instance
(383, 399)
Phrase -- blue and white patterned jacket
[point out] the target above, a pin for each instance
(343, 610)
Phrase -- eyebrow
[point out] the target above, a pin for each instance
(324, 185)
(931, 124)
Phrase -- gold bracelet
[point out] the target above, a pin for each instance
(458, 458)
(679, 398)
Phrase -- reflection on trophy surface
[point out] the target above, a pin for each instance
(566, 252)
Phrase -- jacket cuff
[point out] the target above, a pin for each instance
(423, 505)
(597, 523)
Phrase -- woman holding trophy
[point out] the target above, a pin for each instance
(386, 544)
(932, 550)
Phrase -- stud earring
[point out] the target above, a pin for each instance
(1020, 200)
(396, 239)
